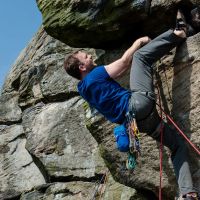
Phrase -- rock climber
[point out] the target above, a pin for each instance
(98, 87)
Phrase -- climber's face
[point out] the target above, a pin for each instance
(87, 63)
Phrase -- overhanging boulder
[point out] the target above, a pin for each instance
(106, 23)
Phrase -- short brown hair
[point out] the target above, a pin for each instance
(71, 65)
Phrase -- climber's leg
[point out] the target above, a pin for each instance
(141, 75)
(179, 156)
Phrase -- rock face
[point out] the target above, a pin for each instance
(60, 144)
(52, 143)
(18, 172)
(9, 109)
(75, 22)
(46, 151)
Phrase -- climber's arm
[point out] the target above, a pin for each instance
(118, 67)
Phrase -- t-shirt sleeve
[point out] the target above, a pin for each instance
(99, 73)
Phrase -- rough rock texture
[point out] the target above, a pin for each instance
(181, 89)
(52, 143)
(59, 144)
(75, 22)
(30, 73)
(79, 190)
(9, 110)
(18, 172)
(46, 151)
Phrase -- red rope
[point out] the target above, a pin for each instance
(161, 139)
(161, 136)
(161, 146)
(179, 130)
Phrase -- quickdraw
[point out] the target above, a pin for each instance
(131, 161)
(134, 136)
(134, 141)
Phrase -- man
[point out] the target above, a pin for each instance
(98, 88)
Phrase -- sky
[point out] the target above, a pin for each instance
(19, 21)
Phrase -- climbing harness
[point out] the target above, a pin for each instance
(134, 134)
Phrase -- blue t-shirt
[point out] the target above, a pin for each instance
(105, 94)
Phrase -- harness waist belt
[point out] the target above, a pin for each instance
(150, 95)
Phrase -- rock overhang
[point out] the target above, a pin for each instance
(106, 24)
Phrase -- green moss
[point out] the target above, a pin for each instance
(91, 127)
(52, 167)
(85, 105)
(107, 159)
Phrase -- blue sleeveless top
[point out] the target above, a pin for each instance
(105, 94)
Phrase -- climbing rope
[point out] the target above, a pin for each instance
(104, 178)
(161, 144)
(179, 130)
(103, 186)
(161, 131)
(161, 140)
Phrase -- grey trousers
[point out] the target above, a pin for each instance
(148, 120)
